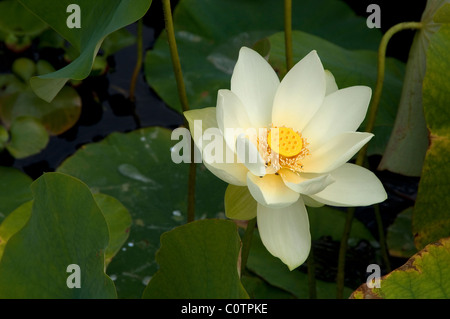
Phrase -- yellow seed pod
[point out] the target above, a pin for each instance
(285, 141)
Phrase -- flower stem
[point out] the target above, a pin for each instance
(246, 243)
(137, 68)
(288, 33)
(373, 109)
(183, 100)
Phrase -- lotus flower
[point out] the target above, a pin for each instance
(309, 133)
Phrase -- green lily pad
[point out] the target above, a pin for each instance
(209, 35)
(24, 68)
(18, 99)
(139, 172)
(28, 137)
(63, 230)
(119, 222)
(425, 275)
(14, 190)
(98, 19)
(13, 223)
(405, 152)
(349, 68)
(198, 261)
(431, 217)
(116, 215)
(57, 117)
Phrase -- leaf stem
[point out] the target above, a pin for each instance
(246, 243)
(137, 68)
(373, 108)
(288, 33)
(361, 157)
(174, 55)
(382, 238)
(183, 100)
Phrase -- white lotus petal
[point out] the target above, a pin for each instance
(232, 118)
(342, 111)
(335, 152)
(285, 232)
(270, 190)
(300, 94)
(300, 183)
(255, 83)
(331, 85)
(227, 167)
(199, 120)
(354, 186)
(231, 173)
(248, 154)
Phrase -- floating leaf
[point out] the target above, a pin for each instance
(431, 218)
(139, 172)
(98, 19)
(13, 223)
(209, 35)
(24, 68)
(57, 117)
(28, 137)
(116, 215)
(14, 190)
(425, 275)
(63, 230)
(198, 261)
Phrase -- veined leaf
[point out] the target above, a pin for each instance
(196, 261)
(63, 230)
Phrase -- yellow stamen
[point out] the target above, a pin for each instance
(285, 141)
(278, 155)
